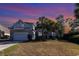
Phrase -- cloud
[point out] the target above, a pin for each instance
(10, 13)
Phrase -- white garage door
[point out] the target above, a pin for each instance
(20, 36)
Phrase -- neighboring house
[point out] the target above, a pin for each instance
(1, 34)
(4, 31)
(20, 31)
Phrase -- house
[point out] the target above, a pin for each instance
(20, 31)
(4, 31)
(1, 34)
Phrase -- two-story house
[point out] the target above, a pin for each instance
(20, 31)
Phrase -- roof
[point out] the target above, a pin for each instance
(20, 24)
(28, 23)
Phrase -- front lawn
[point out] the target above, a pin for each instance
(46, 48)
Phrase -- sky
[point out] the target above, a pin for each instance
(29, 12)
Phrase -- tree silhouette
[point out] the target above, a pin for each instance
(76, 11)
(59, 26)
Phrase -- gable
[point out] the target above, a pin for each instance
(18, 25)
(22, 25)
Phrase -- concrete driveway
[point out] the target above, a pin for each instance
(6, 44)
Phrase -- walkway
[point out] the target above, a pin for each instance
(4, 45)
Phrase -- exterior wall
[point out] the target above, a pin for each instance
(33, 35)
(1, 34)
(31, 32)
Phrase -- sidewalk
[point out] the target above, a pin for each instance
(4, 45)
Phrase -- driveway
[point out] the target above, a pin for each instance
(4, 45)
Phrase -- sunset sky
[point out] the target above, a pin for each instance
(29, 12)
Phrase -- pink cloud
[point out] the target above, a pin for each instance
(36, 12)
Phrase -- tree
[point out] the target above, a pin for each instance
(59, 26)
(68, 24)
(45, 25)
(76, 11)
(76, 22)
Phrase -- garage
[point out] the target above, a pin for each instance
(20, 36)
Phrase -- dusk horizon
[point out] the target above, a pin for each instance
(30, 12)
